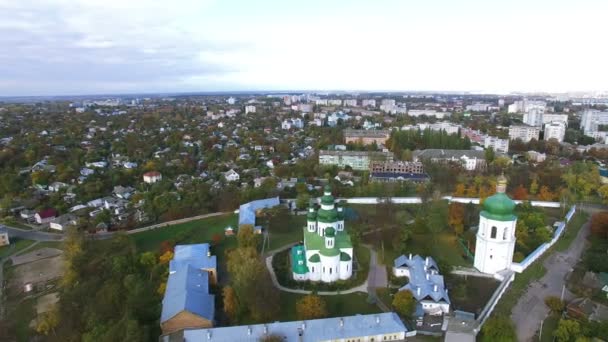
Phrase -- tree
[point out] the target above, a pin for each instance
(489, 154)
(599, 224)
(545, 194)
(48, 322)
(456, 217)
(231, 304)
(246, 237)
(311, 307)
(603, 192)
(498, 329)
(302, 200)
(555, 304)
(534, 186)
(460, 190)
(520, 193)
(567, 330)
(404, 303)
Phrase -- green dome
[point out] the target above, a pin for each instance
(314, 258)
(327, 216)
(330, 232)
(327, 200)
(344, 256)
(312, 216)
(499, 207)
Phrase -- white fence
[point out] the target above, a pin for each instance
(487, 310)
(418, 200)
(538, 252)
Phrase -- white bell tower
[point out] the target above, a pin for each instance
(496, 235)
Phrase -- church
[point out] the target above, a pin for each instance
(496, 235)
(327, 252)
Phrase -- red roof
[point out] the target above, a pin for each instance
(152, 174)
(46, 213)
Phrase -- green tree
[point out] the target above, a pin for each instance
(404, 303)
(302, 200)
(311, 307)
(567, 330)
(555, 304)
(231, 304)
(498, 329)
(245, 237)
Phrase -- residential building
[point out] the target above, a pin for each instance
(425, 283)
(248, 211)
(428, 112)
(388, 103)
(321, 102)
(358, 160)
(555, 130)
(366, 137)
(469, 159)
(249, 109)
(327, 252)
(187, 303)
(525, 133)
(385, 326)
(335, 118)
(536, 157)
(63, 222)
(296, 123)
(152, 177)
(4, 240)
(448, 127)
(592, 120)
(534, 117)
(45, 216)
(525, 106)
(496, 234)
(305, 107)
(350, 103)
(334, 102)
(368, 103)
(497, 144)
(398, 171)
(478, 107)
(231, 176)
(552, 117)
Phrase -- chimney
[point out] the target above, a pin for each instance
(377, 319)
(435, 288)
(208, 254)
(427, 261)
(428, 276)
(265, 329)
(410, 256)
(303, 325)
(418, 291)
(446, 291)
(249, 331)
(208, 334)
(341, 322)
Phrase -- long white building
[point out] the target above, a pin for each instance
(497, 144)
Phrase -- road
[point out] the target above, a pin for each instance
(44, 236)
(530, 310)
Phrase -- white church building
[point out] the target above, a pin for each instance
(496, 235)
(327, 252)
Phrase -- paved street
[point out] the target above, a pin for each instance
(530, 310)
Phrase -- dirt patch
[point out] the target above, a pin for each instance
(36, 255)
(37, 272)
(45, 303)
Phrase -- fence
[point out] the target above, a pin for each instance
(418, 200)
(538, 252)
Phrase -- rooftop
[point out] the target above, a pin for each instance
(247, 210)
(188, 290)
(197, 255)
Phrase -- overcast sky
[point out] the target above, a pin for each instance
(56, 47)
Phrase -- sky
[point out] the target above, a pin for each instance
(75, 47)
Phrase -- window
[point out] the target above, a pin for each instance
(493, 232)
(330, 270)
(300, 262)
(313, 269)
(504, 234)
(347, 267)
(323, 269)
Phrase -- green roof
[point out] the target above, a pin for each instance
(327, 199)
(295, 258)
(314, 241)
(311, 216)
(314, 258)
(344, 257)
(499, 207)
(327, 216)
(329, 252)
(331, 232)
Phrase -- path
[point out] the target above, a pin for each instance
(44, 236)
(530, 310)
(375, 276)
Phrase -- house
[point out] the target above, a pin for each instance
(425, 283)
(187, 302)
(85, 172)
(231, 176)
(63, 222)
(45, 216)
(248, 211)
(469, 159)
(123, 192)
(229, 231)
(358, 328)
(57, 186)
(4, 241)
(152, 177)
(27, 215)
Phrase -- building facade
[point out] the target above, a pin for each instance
(398, 171)
(327, 252)
(469, 159)
(366, 137)
(525, 133)
(358, 160)
(592, 119)
(496, 235)
(497, 144)
(555, 130)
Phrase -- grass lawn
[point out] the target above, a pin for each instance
(198, 231)
(337, 306)
(549, 326)
(537, 270)
(15, 246)
(470, 293)
(290, 234)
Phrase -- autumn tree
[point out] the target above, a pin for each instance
(456, 217)
(246, 237)
(555, 304)
(545, 194)
(498, 329)
(603, 192)
(311, 307)
(599, 224)
(460, 190)
(404, 303)
(567, 330)
(47, 322)
(231, 305)
(520, 193)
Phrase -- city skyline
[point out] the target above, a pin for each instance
(82, 47)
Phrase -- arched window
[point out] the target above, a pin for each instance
(493, 232)
(504, 234)
(330, 270)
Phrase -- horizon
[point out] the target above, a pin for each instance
(78, 48)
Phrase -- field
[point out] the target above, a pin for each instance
(286, 235)
(15, 246)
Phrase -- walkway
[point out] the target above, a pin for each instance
(530, 310)
(375, 276)
(44, 236)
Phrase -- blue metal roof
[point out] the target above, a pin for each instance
(424, 275)
(247, 210)
(188, 290)
(196, 255)
(338, 328)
